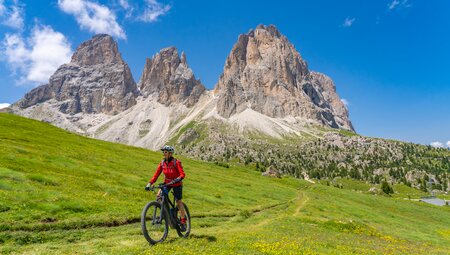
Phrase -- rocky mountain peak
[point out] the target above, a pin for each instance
(271, 29)
(96, 80)
(264, 72)
(101, 49)
(170, 78)
(183, 58)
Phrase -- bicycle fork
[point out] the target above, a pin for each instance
(156, 219)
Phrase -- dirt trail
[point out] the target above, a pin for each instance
(300, 202)
(302, 199)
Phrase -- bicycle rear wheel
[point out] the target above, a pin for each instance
(185, 233)
(154, 227)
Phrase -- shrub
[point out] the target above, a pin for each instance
(222, 164)
(386, 188)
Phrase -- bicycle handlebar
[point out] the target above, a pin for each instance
(159, 186)
(163, 185)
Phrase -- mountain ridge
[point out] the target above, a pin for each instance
(166, 81)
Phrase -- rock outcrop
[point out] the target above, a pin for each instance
(170, 78)
(326, 88)
(264, 72)
(97, 80)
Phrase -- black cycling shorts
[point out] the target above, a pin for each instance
(177, 192)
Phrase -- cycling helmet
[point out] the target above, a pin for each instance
(168, 148)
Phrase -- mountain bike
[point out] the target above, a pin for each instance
(158, 215)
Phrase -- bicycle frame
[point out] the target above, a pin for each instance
(165, 205)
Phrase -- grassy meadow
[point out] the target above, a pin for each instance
(61, 193)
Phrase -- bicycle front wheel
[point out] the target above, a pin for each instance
(154, 224)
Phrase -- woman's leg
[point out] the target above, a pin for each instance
(178, 192)
(181, 208)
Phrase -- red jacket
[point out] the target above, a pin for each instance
(171, 172)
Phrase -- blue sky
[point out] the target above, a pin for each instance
(389, 59)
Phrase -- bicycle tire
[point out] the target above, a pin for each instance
(156, 228)
(186, 233)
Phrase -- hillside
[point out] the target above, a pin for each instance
(61, 193)
(320, 153)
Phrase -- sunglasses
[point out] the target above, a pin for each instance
(165, 152)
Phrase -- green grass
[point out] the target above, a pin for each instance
(198, 127)
(290, 139)
(103, 128)
(347, 133)
(61, 193)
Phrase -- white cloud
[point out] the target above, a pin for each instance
(348, 22)
(92, 16)
(437, 144)
(393, 4)
(50, 50)
(37, 59)
(124, 4)
(398, 4)
(448, 144)
(15, 52)
(345, 102)
(127, 7)
(13, 16)
(153, 10)
(4, 105)
(2, 8)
